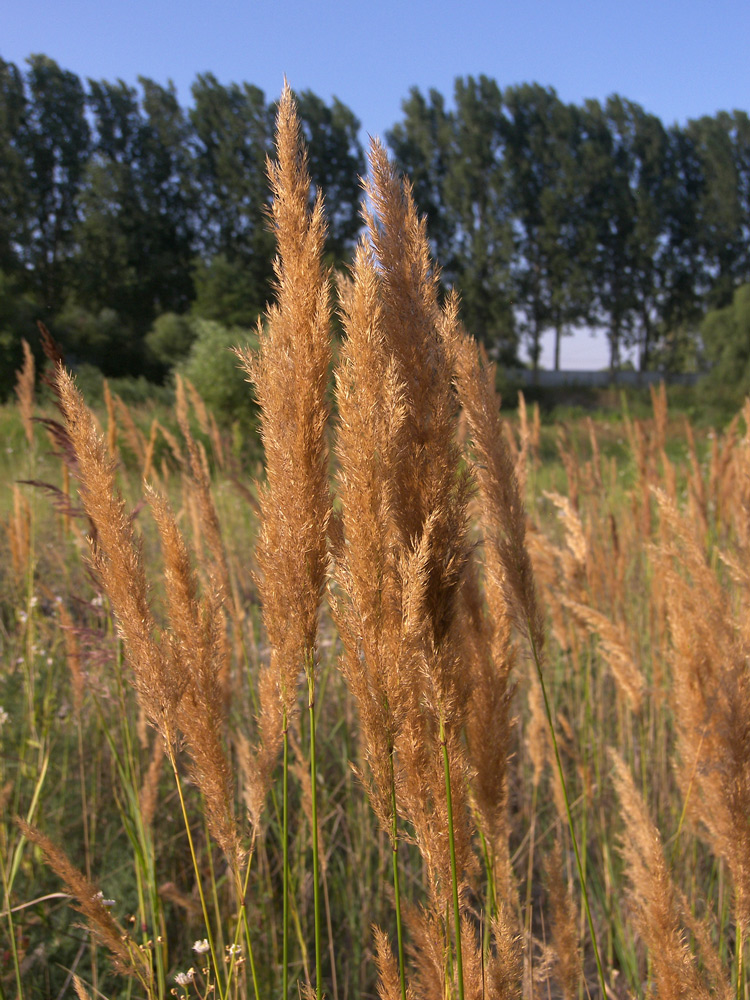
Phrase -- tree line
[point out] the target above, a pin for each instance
(125, 217)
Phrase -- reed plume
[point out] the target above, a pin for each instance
(657, 904)
(25, 380)
(128, 958)
(711, 695)
(290, 375)
(177, 679)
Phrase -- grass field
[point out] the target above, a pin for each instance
(425, 703)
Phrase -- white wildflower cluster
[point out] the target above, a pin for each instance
(185, 978)
(3, 716)
(201, 947)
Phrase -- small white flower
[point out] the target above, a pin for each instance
(201, 947)
(234, 949)
(185, 978)
(103, 901)
(3, 716)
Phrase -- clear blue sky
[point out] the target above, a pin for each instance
(678, 58)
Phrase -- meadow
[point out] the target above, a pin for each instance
(406, 698)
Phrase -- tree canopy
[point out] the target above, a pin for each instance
(119, 206)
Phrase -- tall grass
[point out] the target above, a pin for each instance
(444, 705)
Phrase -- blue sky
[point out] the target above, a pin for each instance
(679, 60)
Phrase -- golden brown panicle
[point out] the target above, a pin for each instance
(656, 901)
(25, 391)
(158, 678)
(128, 958)
(290, 375)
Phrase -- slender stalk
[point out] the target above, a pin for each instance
(314, 808)
(396, 886)
(285, 851)
(740, 963)
(454, 876)
(242, 924)
(11, 936)
(209, 933)
(558, 760)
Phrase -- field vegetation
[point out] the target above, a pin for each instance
(403, 698)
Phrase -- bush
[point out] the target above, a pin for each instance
(170, 338)
(213, 369)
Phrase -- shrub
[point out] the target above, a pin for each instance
(213, 369)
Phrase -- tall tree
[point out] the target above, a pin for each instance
(454, 160)
(231, 135)
(543, 184)
(627, 178)
(423, 148)
(476, 197)
(14, 187)
(134, 235)
(722, 144)
(56, 148)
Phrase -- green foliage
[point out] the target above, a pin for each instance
(99, 338)
(726, 338)
(170, 338)
(212, 367)
(18, 315)
(228, 291)
(117, 206)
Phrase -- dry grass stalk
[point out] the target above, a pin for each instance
(565, 943)
(149, 793)
(176, 680)
(197, 641)
(132, 433)
(371, 411)
(290, 375)
(490, 656)
(711, 695)
(116, 557)
(148, 471)
(615, 645)
(25, 380)
(197, 485)
(81, 992)
(72, 657)
(128, 958)
(658, 913)
(503, 513)
(19, 535)
(427, 498)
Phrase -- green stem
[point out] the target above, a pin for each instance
(11, 935)
(285, 850)
(209, 933)
(396, 884)
(740, 962)
(314, 804)
(242, 924)
(454, 876)
(558, 760)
